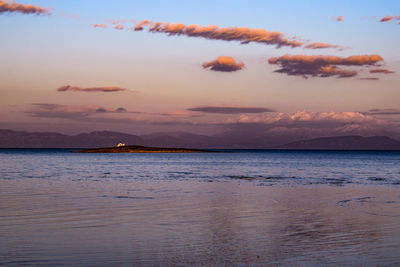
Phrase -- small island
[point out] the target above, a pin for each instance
(142, 149)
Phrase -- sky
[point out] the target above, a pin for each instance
(307, 68)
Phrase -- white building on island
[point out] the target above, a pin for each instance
(120, 144)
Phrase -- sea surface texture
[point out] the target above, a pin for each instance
(239, 208)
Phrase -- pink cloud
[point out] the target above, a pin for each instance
(306, 116)
(306, 124)
(338, 18)
(119, 27)
(312, 123)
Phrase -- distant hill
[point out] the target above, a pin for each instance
(345, 143)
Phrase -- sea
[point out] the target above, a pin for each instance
(232, 208)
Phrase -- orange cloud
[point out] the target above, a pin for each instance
(12, 6)
(384, 71)
(326, 71)
(243, 34)
(141, 24)
(338, 18)
(119, 27)
(322, 46)
(225, 64)
(100, 26)
(322, 66)
(389, 18)
(90, 89)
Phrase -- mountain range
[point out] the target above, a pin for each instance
(22, 139)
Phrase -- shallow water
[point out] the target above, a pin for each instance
(219, 209)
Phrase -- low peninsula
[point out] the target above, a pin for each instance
(143, 149)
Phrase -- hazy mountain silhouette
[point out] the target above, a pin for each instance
(345, 143)
(229, 139)
(15, 139)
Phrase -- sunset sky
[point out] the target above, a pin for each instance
(316, 67)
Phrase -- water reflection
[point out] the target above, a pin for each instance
(196, 223)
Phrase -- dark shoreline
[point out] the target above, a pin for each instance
(144, 149)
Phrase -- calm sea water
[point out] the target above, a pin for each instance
(247, 208)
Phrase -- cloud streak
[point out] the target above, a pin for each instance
(100, 26)
(213, 32)
(230, 110)
(384, 111)
(72, 112)
(389, 18)
(180, 114)
(107, 89)
(369, 78)
(13, 7)
(383, 71)
(323, 46)
(224, 64)
(322, 66)
(45, 110)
